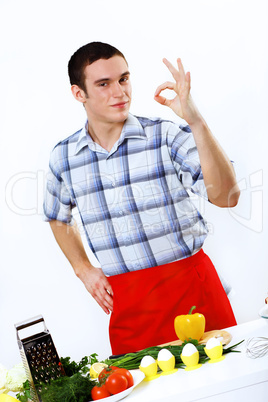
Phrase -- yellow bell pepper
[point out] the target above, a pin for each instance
(190, 326)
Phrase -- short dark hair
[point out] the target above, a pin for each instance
(86, 55)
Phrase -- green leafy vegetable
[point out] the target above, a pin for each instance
(76, 388)
(25, 395)
(71, 367)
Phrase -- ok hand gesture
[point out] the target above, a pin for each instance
(182, 104)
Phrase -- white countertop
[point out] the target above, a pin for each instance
(237, 376)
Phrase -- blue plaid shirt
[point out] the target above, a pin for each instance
(133, 201)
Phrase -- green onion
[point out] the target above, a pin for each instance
(132, 361)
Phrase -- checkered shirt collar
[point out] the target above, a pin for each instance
(131, 129)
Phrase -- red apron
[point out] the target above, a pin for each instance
(147, 301)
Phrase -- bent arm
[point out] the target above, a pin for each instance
(218, 171)
(70, 242)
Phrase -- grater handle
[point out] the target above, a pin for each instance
(29, 322)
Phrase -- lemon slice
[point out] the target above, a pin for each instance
(96, 368)
(7, 398)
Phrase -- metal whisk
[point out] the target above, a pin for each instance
(257, 347)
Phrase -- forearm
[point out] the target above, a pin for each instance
(70, 242)
(96, 283)
(218, 172)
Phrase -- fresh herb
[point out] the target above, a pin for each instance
(76, 388)
(71, 367)
(132, 361)
(25, 395)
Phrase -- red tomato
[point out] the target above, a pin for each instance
(99, 392)
(126, 373)
(116, 383)
(106, 372)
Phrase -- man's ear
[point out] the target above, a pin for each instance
(78, 93)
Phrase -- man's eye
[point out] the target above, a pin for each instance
(103, 84)
(124, 79)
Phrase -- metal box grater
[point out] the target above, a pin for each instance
(39, 356)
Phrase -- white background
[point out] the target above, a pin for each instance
(223, 44)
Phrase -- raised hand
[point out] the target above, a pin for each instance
(182, 104)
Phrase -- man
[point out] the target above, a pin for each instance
(129, 178)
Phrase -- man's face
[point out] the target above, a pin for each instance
(108, 90)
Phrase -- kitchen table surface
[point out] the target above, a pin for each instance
(237, 377)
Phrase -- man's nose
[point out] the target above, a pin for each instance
(118, 90)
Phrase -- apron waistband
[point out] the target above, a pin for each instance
(183, 264)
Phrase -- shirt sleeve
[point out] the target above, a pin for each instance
(186, 161)
(58, 202)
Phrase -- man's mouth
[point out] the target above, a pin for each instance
(120, 105)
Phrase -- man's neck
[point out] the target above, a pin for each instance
(104, 134)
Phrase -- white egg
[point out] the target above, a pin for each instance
(146, 361)
(264, 311)
(212, 342)
(188, 350)
(164, 355)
